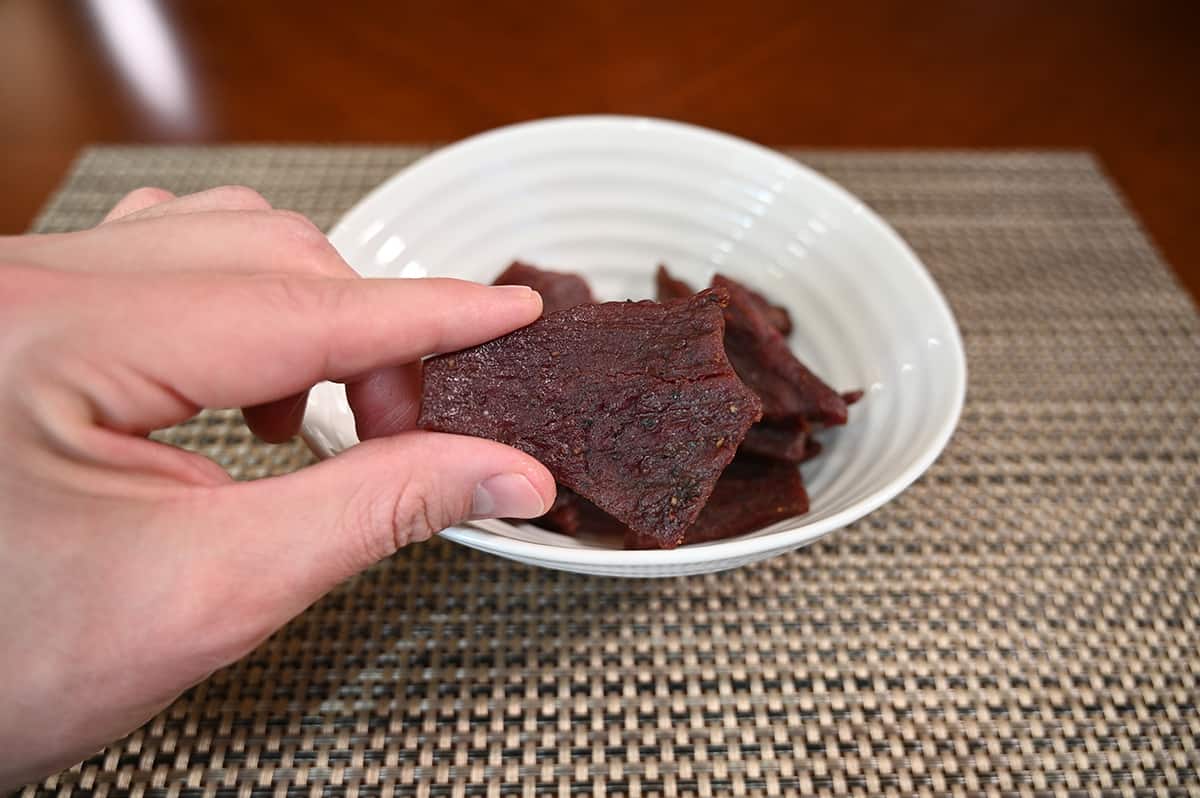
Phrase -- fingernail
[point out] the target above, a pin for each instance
(522, 291)
(507, 496)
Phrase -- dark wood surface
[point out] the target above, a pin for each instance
(1120, 79)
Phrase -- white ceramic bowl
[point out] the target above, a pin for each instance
(610, 197)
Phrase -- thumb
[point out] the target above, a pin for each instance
(281, 543)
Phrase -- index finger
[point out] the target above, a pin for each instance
(203, 341)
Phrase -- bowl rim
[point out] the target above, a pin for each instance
(737, 548)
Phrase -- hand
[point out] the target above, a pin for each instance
(131, 570)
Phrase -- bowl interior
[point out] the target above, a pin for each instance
(612, 197)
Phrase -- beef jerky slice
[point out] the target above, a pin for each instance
(671, 288)
(563, 516)
(777, 316)
(633, 405)
(595, 522)
(751, 494)
(668, 287)
(763, 360)
(559, 290)
(789, 441)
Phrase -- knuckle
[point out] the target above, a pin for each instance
(298, 228)
(383, 523)
(137, 201)
(306, 244)
(146, 193)
(417, 517)
(241, 197)
(368, 527)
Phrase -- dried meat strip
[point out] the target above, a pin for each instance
(559, 290)
(789, 441)
(752, 493)
(762, 358)
(633, 405)
(670, 287)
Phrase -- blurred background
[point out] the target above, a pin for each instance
(1121, 79)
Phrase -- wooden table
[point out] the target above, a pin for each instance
(1119, 79)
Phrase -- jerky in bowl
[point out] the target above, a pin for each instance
(609, 198)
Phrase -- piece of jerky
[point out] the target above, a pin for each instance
(763, 360)
(563, 516)
(559, 290)
(594, 522)
(633, 405)
(790, 441)
(777, 316)
(752, 493)
(670, 287)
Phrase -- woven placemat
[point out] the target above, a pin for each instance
(1022, 621)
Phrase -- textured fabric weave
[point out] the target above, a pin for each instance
(1022, 621)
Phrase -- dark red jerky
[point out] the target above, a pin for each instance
(852, 397)
(632, 405)
(751, 494)
(789, 441)
(670, 287)
(763, 360)
(559, 290)
(594, 522)
(732, 509)
(563, 516)
(777, 316)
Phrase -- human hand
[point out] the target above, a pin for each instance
(129, 569)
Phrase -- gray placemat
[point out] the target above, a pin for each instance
(1022, 621)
